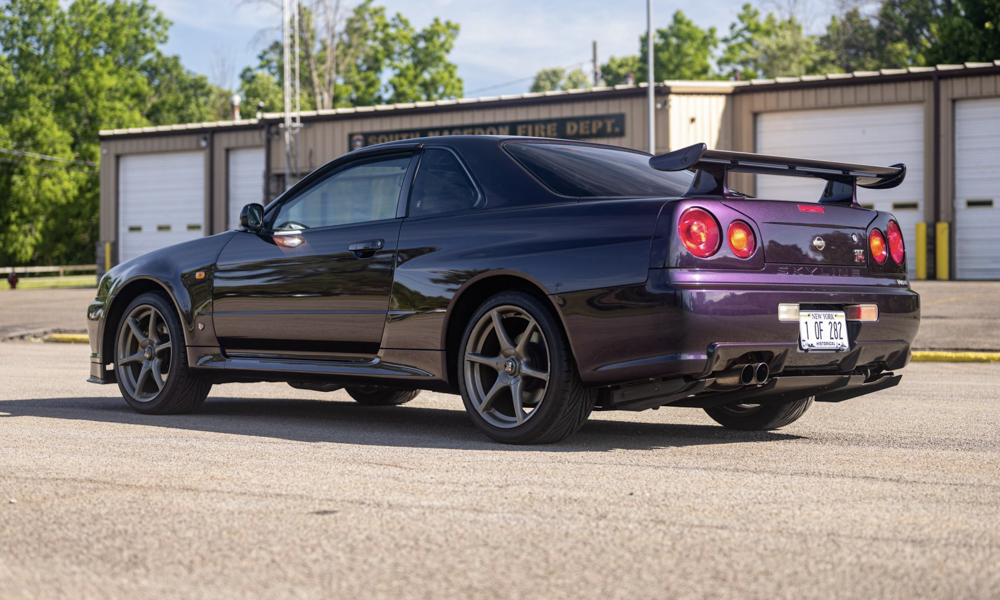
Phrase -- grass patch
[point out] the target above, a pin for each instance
(45, 283)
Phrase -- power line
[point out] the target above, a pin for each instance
(14, 161)
(523, 79)
(81, 163)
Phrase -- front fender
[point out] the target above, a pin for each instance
(174, 270)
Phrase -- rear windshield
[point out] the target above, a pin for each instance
(590, 172)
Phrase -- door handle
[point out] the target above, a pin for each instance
(366, 248)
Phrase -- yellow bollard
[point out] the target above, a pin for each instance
(942, 246)
(107, 256)
(921, 250)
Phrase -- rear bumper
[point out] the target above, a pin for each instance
(666, 328)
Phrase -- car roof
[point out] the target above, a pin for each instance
(473, 141)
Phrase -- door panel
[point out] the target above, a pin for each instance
(318, 297)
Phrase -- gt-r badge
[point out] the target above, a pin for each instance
(819, 244)
(859, 255)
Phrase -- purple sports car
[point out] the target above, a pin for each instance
(540, 279)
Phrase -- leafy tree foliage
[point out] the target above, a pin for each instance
(363, 58)
(770, 47)
(682, 50)
(617, 70)
(65, 74)
(557, 78)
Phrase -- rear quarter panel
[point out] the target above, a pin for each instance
(560, 248)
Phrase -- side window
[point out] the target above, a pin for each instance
(367, 191)
(441, 185)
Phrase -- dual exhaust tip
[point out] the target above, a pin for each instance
(748, 374)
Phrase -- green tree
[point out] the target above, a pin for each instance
(361, 58)
(557, 78)
(65, 74)
(617, 70)
(770, 47)
(682, 50)
(942, 31)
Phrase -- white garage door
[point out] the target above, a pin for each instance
(246, 181)
(876, 135)
(977, 181)
(161, 201)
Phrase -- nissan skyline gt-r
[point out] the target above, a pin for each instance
(540, 279)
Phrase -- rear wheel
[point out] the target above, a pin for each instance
(759, 417)
(151, 359)
(516, 373)
(377, 395)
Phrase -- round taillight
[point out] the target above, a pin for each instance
(876, 241)
(741, 240)
(895, 237)
(699, 232)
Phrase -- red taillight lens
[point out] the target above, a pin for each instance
(699, 232)
(741, 239)
(876, 241)
(896, 249)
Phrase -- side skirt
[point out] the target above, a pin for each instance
(401, 368)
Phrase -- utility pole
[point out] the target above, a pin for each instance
(597, 68)
(287, 80)
(289, 28)
(651, 89)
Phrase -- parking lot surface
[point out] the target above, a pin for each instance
(279, 493)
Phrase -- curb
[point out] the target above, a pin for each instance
(955, 357)
(67, 338)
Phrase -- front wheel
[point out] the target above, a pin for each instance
(518, 380)
(151, 359)
(759, 417)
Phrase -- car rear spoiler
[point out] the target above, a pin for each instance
(712, 169)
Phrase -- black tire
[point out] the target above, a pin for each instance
(377, 395)
(183, 391)
(564, 404)
(759, 417)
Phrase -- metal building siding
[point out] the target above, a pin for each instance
(977, 188)
(322, 140)
(698, 118)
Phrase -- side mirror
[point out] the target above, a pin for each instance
(252, 217)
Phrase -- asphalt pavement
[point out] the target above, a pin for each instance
(271, 492)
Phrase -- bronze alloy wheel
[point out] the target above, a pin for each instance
(143, 353)
(506, 366)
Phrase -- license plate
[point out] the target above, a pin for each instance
(823, 330)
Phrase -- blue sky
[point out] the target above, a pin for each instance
(501, 40)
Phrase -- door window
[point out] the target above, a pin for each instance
(441, 185)
(361, 192)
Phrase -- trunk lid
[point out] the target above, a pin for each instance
(809, 233)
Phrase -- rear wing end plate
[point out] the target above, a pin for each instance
(712, 168)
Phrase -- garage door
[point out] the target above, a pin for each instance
(246, 181)
(877, 135)
(977, 181)
(161, 201)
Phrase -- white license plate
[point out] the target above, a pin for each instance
(823, 330)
